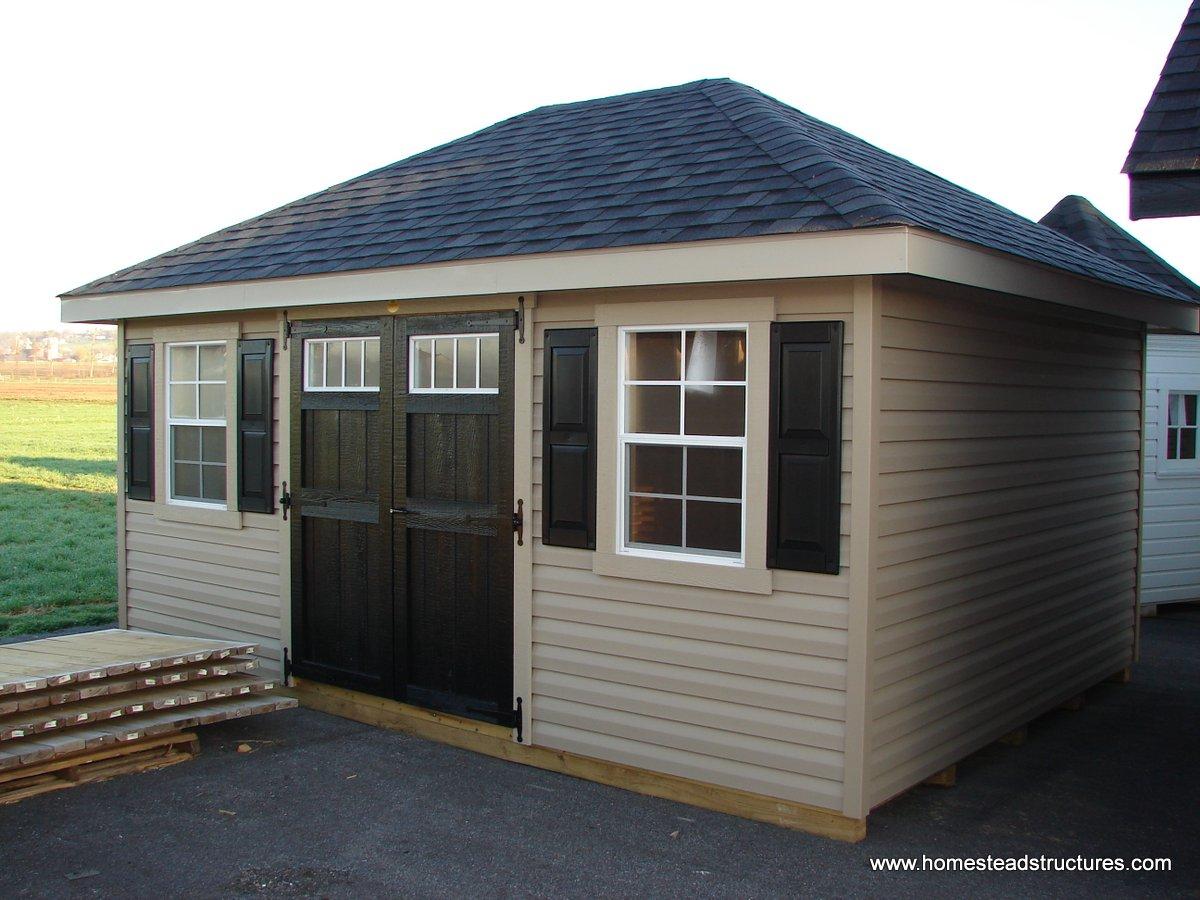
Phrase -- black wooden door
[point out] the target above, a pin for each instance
(452, 521)
(342, 602)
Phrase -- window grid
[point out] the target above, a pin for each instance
(1182, 426)
(315, 377)
(204, 424)
(455, 340)
(682, 439)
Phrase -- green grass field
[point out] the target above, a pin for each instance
(57, 511)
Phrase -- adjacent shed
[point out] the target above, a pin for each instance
(1171, 490)
(677, 440)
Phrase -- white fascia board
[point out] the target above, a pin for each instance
(862, 252)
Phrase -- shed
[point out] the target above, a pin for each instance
(1171, 522)
(676, 440)
(1163, 164)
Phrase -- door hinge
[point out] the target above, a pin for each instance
(287, 667)
(287, 329)
(285, 501)
(519, 523)
(514, 720)
(521, 319)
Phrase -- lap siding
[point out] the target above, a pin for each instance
(1006, 555)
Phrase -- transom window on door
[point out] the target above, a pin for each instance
(196, 419)
(682, 440)
(341, 364)
(454, 364)
(1181, 425)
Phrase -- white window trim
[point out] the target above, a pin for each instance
(1174, 466)
(214, 423)
(624, 439)
(412, 369)
(362, 366)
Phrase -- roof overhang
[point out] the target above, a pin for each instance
(865, 251)
(1161, 195)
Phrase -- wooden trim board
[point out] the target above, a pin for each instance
(495, 741)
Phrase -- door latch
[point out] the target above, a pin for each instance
(519, 523)
(285, 501)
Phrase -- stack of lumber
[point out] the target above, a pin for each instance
(87, 706)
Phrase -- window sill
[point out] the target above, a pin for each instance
(198, 515)
(693, 574)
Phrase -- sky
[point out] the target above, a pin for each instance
(131, 128)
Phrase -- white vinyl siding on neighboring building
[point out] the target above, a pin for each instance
(1007, 526)
(1171, 531)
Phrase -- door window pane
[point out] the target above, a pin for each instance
(468, 356)
(422, 363)
(316, 364)
(371, 366)
(489, 361)
(333, 364)
(443, 363)
(354, 363)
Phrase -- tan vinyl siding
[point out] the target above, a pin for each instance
(1171, 531)
(1007, 527)
(202, 579)
(737, 689)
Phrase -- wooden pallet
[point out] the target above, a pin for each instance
(82, 768)
(95, 655)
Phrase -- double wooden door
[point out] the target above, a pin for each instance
(402, 509)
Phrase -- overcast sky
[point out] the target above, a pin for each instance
(132, 128)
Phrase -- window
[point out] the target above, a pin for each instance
(196, 423)
(683, 442)
(341, 364)
(454, 364)
(1180, 441)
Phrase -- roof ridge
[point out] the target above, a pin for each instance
(900, 216)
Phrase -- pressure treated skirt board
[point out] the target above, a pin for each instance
(51, 662)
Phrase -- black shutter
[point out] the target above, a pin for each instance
(569, 438)
(139, 421)
(255, 474)
(804, 480)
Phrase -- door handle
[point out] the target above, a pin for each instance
(519, 523)
(402, 511)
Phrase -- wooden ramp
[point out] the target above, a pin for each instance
(84, 707)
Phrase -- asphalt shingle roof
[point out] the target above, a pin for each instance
(1168, 137)
(700, 161)
(1079, 220)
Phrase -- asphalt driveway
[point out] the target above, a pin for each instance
(327, 807)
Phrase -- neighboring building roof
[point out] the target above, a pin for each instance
(1168, 137)
(706, 160)
(1079, 220)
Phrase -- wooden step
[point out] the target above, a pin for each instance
(55, 744)
(119, 684)
(131, 703)
(97, 765)
(51, 662)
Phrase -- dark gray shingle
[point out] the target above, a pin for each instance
(700, 161)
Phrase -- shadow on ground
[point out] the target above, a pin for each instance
(327, 807)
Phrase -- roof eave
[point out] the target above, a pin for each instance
(861, 251)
